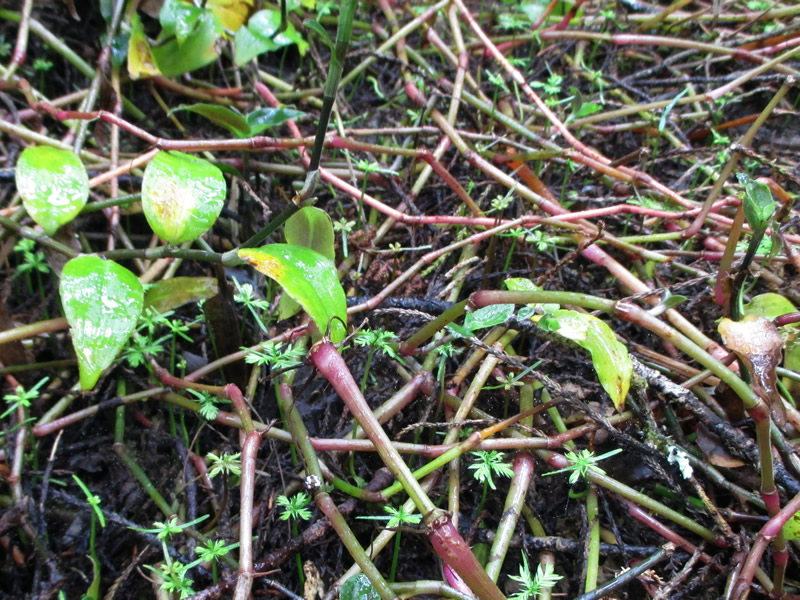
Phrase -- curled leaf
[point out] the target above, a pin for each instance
(756, 342)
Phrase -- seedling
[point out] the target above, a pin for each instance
(97, 515)
(22, 398)
(396, 517)
(208, 403)
(227, 464)
(246, 296)
(295, 509)
(375, 339)
(583, 462)
(530, 586)
(489, 464)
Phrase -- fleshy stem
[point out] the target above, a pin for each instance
(446, 540)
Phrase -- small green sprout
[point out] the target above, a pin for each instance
(174, 579)
(583, 462)
(227, 464)
(379, 339)
(488, 464)
(246, 296)
(395, 517)
(530, 586)
(208, 403)
(92, 500)
(275, 355)
(344, 227)
(21, 398)
(295, 507)
(214, 550)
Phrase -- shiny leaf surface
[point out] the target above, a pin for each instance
(171, 293)
(182, 196)
(309, 278)
(310, 227)
(53, 184)
(609, 357)
(102, 302)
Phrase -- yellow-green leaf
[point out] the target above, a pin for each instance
(310, 227)
(140, 54)
(171, 293)
(182, 196)
(53, 185)
(609, 357)
(102, 302)
(309, 278)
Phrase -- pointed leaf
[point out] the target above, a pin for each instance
(220, 115)
(171, 293)
(757, 344)
(182, 196)
(310, 227)
(140, 54)
(358, 587)
(102, 302)
(178, 19)
(196, 51)
(266, 118)
(309, 278)
(53, 184)
(315, 26)
(758, 204)
(256, 37)
(609, 357)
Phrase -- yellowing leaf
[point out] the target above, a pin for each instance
(231, 13)
(609, 357)
(140, 55)
(182, 196)
(309, 278)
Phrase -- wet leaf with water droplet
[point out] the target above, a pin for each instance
(609, 357)
(102, 302)
(182, 196)
(309, 278)
(53, 184)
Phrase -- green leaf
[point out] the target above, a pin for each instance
(196, 51)
(757, 204)
(310, 227)
(223, 116)
(102, 302)
(266, 118)
(358, 587)
(309, 278)
(178, 19)
(769, 305)
(315, 26)
(521, 284)
(488, 316)
(609, 357)
(182, 196)
(171, 293)
(256, 37)
(791, 529)
(662, 123)
(53, 184)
